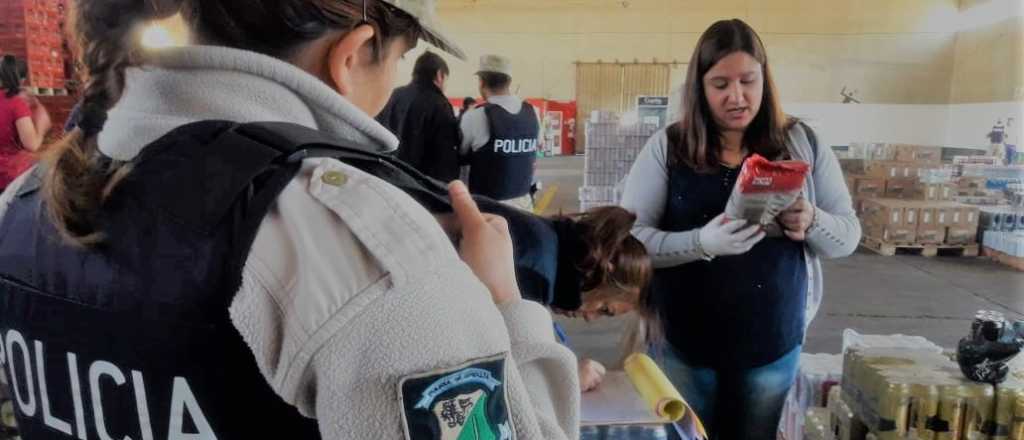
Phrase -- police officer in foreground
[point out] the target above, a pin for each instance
(501, 138)
(176, 271)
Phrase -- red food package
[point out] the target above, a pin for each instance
(764, 189)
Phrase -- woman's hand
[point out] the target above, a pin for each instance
(797, 219)
(486, 246)
(722, 237)
(591, 374)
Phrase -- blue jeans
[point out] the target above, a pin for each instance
(740, 404)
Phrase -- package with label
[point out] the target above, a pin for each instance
(764, 189)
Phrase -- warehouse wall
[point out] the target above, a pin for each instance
(989, 63)
(890, 51)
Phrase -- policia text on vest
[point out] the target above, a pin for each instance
(26, 371)
(514, 146)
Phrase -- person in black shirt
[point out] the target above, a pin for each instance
(424, 121)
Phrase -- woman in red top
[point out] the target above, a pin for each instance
(23, 123)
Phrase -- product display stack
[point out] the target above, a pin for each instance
(1002, 234)
(905, 198)
(612, 147)
(916, 394)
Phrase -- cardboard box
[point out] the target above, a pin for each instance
(853, 166)
(957, 235)
(911, 215)
(926, 216)
(868, 187)
(900, 187)
(931, 234)
(901, 234)
(882, 212)
(890, 170)
(919, 154)
(944, 215)
(970, 216)
(929, 191)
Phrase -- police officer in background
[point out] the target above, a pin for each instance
(424, 121)
(176, 270)
(501, 138)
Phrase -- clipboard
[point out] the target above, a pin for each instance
(641, 394)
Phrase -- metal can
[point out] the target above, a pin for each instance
(924, 410)
(952, 409)
(988, 325)
(1017, 424)
(1007, 395)
(981, 411)
(894, 409)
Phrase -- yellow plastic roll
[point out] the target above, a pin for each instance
(654, 387)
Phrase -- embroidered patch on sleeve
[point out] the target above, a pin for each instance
(467, 402)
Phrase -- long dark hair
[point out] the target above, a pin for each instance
(696, 140)
(11, 74)
(613, 255)
(79, 177)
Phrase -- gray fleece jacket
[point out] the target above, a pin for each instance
(834, 234)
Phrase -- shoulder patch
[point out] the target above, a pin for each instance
(467, 402)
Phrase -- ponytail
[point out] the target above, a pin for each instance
(79, 177)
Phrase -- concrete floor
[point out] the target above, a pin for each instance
(931, 297)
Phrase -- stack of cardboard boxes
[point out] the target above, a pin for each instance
(903, 196)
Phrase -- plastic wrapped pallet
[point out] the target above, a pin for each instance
(916, 394)
(853, 339)
(842, 421)
(818, 373)
(817, 425)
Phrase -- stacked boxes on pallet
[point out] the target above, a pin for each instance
(916, 394)
(32, 31)
(612, 147)
(903, 195)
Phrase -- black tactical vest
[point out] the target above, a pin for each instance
(503, 168)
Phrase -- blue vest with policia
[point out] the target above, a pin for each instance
(503, 168)
(133, 338)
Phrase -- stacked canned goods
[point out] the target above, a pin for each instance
(907, 394)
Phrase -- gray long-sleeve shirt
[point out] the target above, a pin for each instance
(835, 232)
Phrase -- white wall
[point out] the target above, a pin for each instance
(958, 125)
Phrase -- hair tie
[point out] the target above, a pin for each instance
(92, 120)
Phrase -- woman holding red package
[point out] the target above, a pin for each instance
(23, 122)
(733, 303)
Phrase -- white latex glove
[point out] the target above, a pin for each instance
(721, 238)
(591, 374)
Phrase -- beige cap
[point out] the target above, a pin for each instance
(425, 13)
(495, 64)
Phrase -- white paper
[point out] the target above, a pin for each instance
(616, 402)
